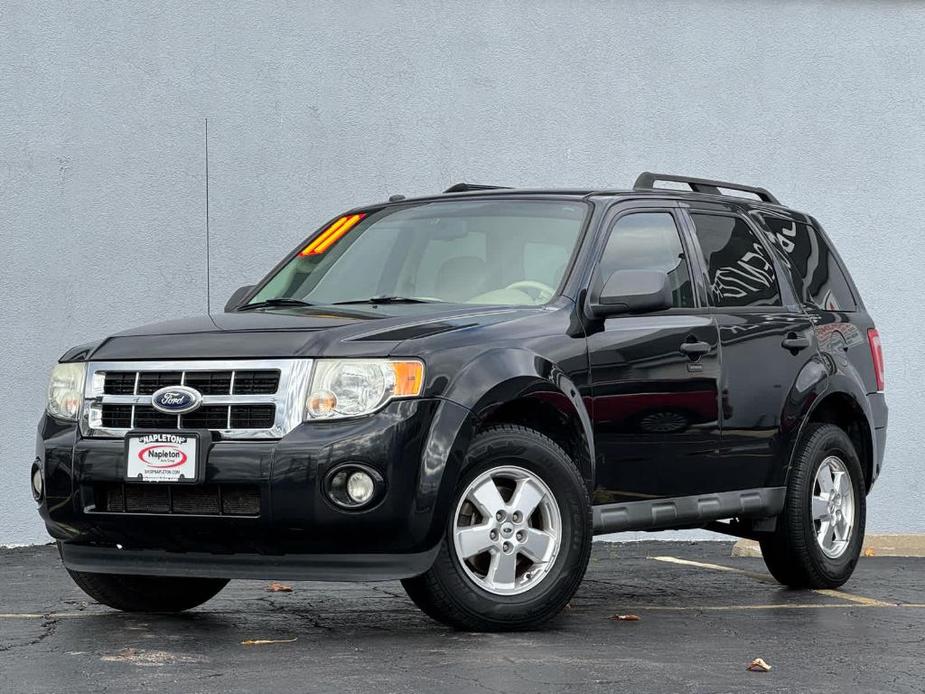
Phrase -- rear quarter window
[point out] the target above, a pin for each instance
(817, 277)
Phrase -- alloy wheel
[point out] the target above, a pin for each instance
(833, 507)
(507, 530)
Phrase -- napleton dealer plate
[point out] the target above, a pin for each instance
(162, 457)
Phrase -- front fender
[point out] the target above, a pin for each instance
(490, 381)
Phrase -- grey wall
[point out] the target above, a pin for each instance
(316, 108)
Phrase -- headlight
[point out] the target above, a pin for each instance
(355, 387)
(66, 391)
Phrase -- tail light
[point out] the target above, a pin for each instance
(876, 354)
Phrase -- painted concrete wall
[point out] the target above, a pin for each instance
(316, 108)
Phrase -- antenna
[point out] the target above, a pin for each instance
(208, 243)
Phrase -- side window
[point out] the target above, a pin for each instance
(817, 277)
(650, 241)
(741, 272)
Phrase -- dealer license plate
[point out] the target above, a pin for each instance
(162, 457)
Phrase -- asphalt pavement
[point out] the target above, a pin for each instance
(703, 616)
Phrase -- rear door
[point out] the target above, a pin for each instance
(766, 339)
(654, 376)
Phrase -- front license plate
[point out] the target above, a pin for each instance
(162, 457)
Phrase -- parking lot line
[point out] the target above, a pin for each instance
(851, 597)
(764, 578)
(786, 606)
(858, 599)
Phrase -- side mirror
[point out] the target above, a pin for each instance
(633, 291)
(237, 297)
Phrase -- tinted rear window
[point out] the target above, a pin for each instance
(817, 277)
(740, 270)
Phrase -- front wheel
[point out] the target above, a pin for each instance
(518, 538)
(147, 593)
(819, 534)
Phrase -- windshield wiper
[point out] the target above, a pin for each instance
(388, 300)
(281, 301)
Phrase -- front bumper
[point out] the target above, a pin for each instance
(290, 567)
(298, 533)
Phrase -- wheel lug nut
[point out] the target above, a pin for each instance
(507, 547)
(500, 515)
(517, 516)
(520, 535)
(493, 534)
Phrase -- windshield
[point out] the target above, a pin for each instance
(498, 252)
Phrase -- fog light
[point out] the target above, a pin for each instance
(360, 487)
(38, 483)
(354, 486)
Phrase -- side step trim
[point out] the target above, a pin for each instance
(661, 514)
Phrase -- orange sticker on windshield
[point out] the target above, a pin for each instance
(329, 236)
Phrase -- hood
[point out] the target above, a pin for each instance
(294, 332)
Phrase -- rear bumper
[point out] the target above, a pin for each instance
(294, 567)
(880, 415)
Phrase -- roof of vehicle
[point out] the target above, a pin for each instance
(645, 186)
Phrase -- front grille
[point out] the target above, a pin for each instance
(120, 383)
(117, 416)
(225, 382)
(211, 382)
(151, 382)
(255, 382)
(149, 418)
(252, 416)
(210, 417)
(241, 398)
(177, 499)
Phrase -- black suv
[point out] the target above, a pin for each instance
(459, 391)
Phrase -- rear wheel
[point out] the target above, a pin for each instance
(147, 593)
(819, 534)
(518, 538)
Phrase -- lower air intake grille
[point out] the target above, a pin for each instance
(177, 499)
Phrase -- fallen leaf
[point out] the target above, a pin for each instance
(278, 588)
(264, 642)
(625, 618)
(869, 552)
(758, 665)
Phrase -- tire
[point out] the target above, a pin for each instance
(546, 575)
(792, 553)
(147, 593)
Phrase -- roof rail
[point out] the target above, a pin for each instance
(646, 181)
(465, 187)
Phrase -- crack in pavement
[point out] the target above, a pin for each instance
(48, 626)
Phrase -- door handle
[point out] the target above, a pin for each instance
(795, 342)
(695, 350)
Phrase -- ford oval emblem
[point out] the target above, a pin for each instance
(176, 399)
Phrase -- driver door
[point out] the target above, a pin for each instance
(655, 398)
